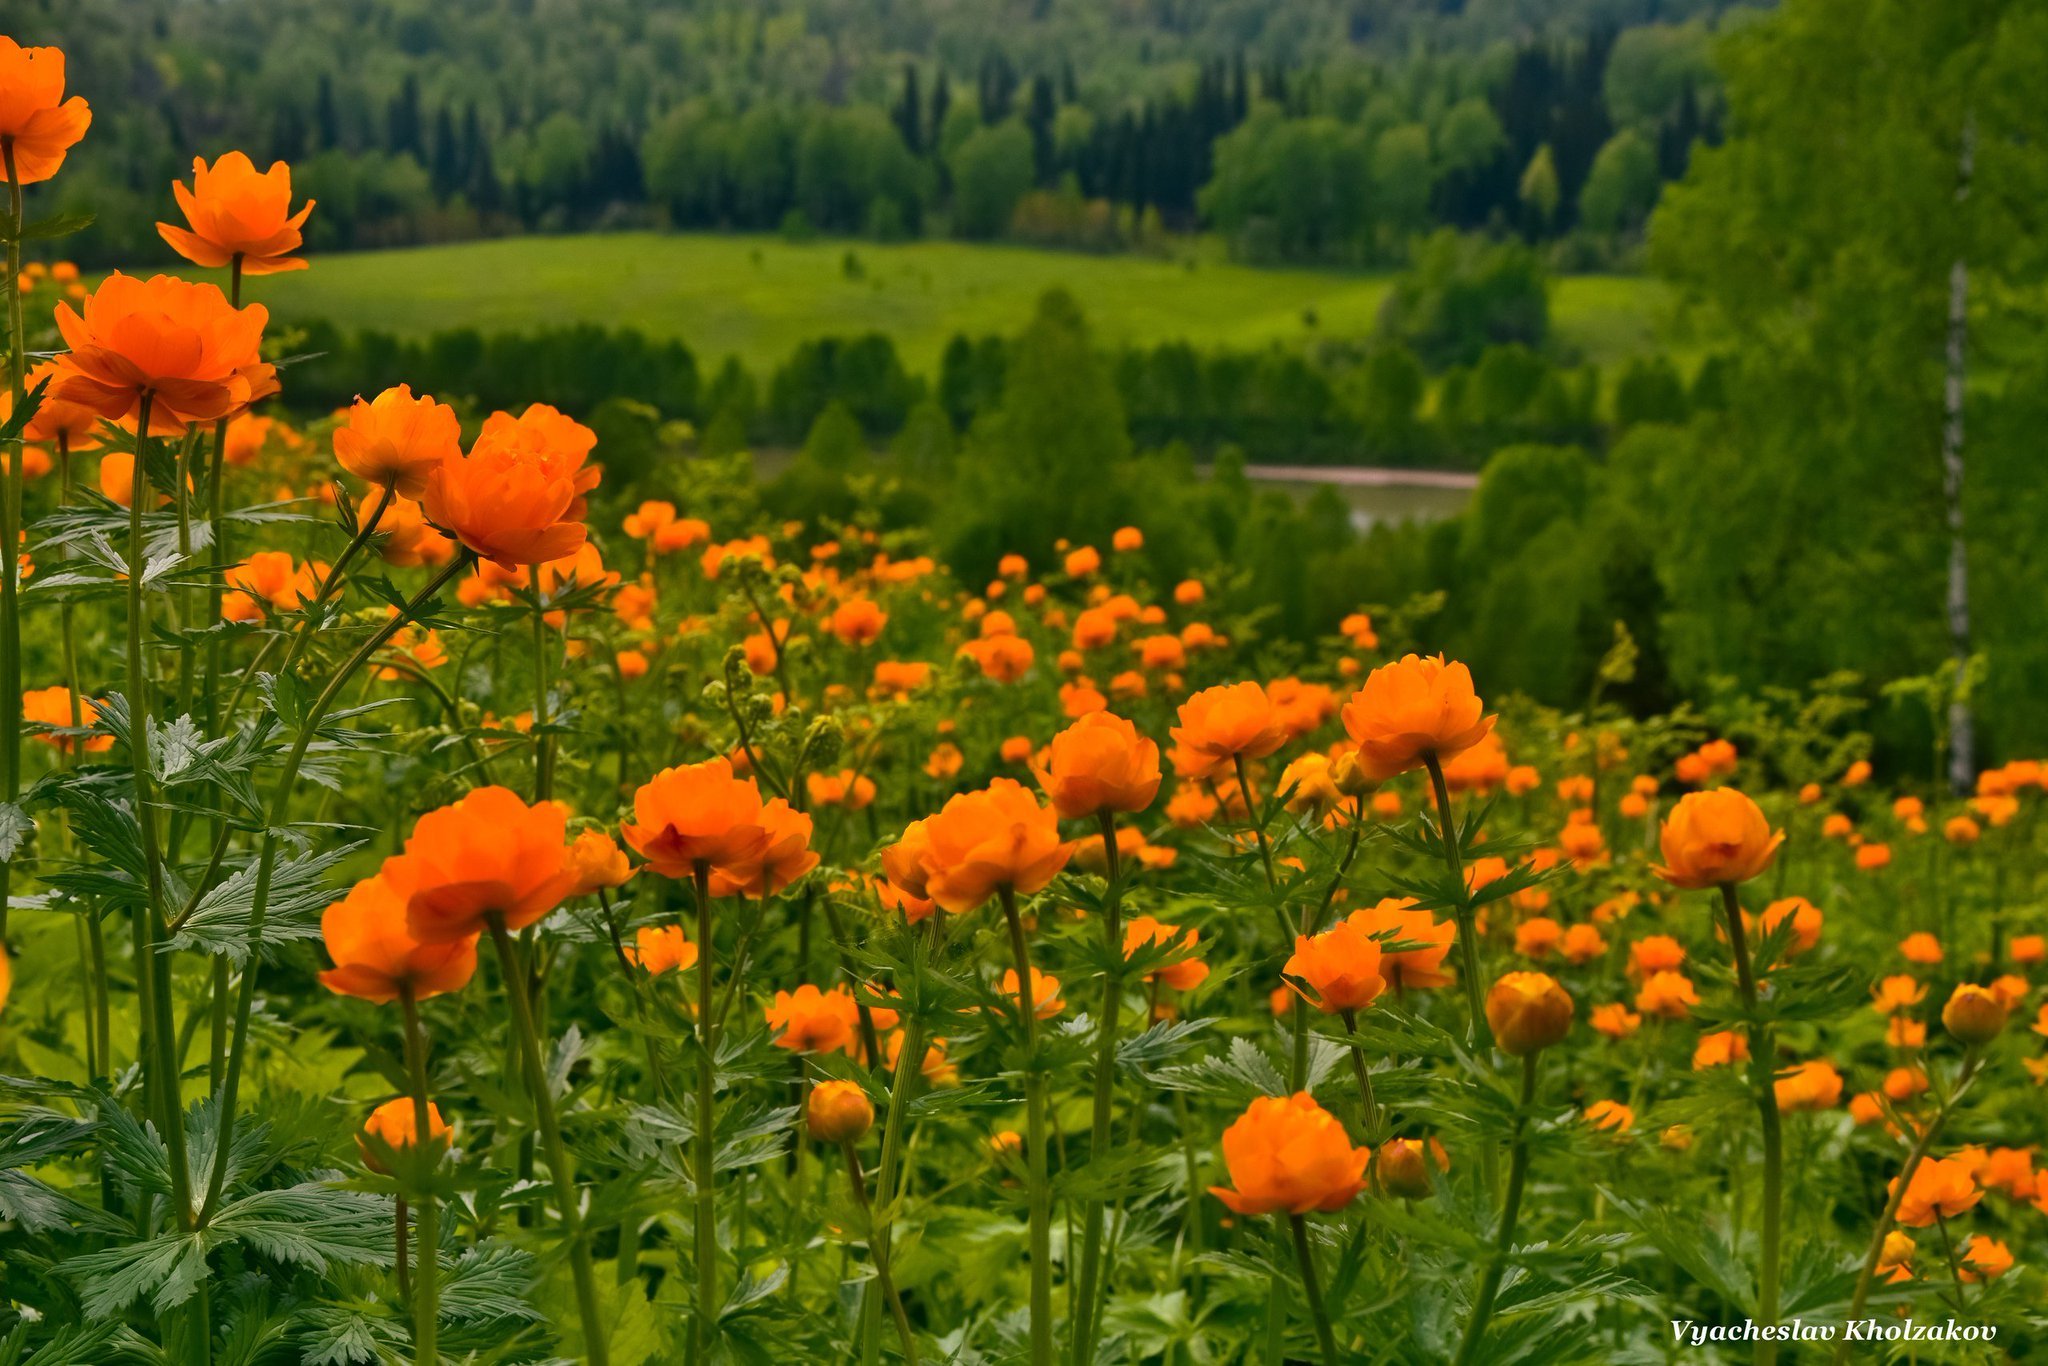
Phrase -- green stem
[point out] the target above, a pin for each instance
(1087, 1312)
(706, 1130)
(1922, 1145)
(10, 534)
(543, 743)
(266, 868)
(879, 1250)
(1762, 1070)
(1034, 1138)
(596, 1346)
(1312, 1289)
(909, 1067)
(426, 1319)
(1468, 921)
(1368, 1109)
(1510, 1212)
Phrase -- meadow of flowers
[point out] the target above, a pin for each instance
(455, 911)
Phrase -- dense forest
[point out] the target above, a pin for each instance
(1305, 130)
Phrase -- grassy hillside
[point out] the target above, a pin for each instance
(758, 296)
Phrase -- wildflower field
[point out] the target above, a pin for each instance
(457, 910)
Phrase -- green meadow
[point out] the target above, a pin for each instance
(758, 296)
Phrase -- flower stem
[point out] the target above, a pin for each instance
(1510, 1212)
(909, 1066)
(879, 1250)
(266, 867)
(1762, 1070)
(426, 1319)
(1468, 921)
(1034, 1138)
(1312, 1289)
(1081, 1331)
(706, 1133)
(10, 533)
(596, 1347)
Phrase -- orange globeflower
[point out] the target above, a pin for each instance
(396, 1125)
(857, 621)
(1338, 970)
(696, 814)
(1941, 1188)
(375, 954)
(1615, 1020)
(1610, 1117)
(808, 1020)
(488, 854)
(662, 948)
(1719, 1049)
(1806, 921)
(1714, 838)
(1046, 1001)
(37, 124)
(52, 707)
(1974, 1014)
(1396, 920)
(786, 856)
(514, 499)
(1527, 1011)
(1667, 995)
(397, 440)
(1221, 725)
(1184, 975)
(838, 1112)
(1099, 764)
(238, 215)
(183, 345)
(1413, 710)
(597, 863)
(71, 425)
(1290, 1155)
(981, 841)
(1812, 1085)
(1896, 993)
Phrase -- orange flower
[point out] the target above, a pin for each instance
(696, 814)
(1396, 920)
(1615, 1020)
(1667, 995)
(1527, 1011)
(1984, 1259)
(37, 124)
(52, 707)
(857, 621)
(488, 854)
(1809, 1086)
(398, 440)
(1401, 1166)
(183, 345)
(396, 1125)
(1221, 725)
(1003, 658)
(1719, 1049)
(786, 856)
(1413, 710)
(662, 948)
(1610, 1117)
(1806, 921)
(596, 862)
(1920, 947)
(1582, 944)
(846, 788)
(838, 1112)
(1941, 1188)
(238, 215)
(1045, 992)
(375, 954)
(1183, 975)
(1974, 1014)
(1537, 937)
(1337, 970)
(1715, 837)
(808, 1020)
(1290, 1155)
(1100, 764)
(982, 841)
(517, 497)
(72, 425)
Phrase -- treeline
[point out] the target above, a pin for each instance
(479, 117)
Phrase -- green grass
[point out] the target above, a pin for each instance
(759, 296)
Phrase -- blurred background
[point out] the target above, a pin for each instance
(1708, 332)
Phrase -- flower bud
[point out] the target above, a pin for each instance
(1527, 1011)
(1974, 1014)
(839, 1112)
(1402, 1167)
